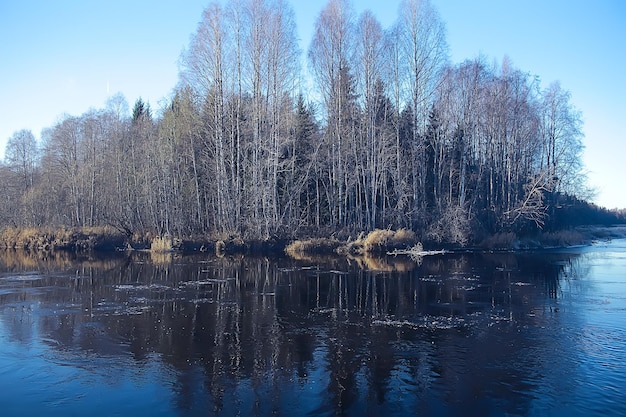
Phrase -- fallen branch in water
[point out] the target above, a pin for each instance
(416, 252)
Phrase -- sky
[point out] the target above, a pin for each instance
(67, 56)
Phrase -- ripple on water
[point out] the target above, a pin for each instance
(22, 278)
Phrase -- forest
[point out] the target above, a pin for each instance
(369, 128)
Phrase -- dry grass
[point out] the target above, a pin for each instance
(382, 241)
(48, 238)
(312, 246)
(24, 238)
(220, 248)
(35, 238)
(376, 242)
(162, 244)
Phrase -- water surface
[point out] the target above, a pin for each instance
(482, 334)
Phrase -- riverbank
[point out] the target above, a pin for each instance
(62, 238)
(582, 235)
(378, 242)
(108, 239)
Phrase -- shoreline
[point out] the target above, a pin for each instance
(378, 242)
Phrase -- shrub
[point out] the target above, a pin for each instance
(452, 226)
(504, 240)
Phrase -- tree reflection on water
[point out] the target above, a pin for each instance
(359, 336)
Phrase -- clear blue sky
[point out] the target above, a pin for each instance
(65, 56)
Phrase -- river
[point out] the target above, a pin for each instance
(475, 334)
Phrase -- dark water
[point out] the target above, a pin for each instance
(532, 334)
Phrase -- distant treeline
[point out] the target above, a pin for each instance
(384, 133)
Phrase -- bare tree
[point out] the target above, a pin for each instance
(329, 55)
(282, 77)
(21, 155)
(205, 72)
(424, 48)
(374, 156)
(562, 139)
(19, 175)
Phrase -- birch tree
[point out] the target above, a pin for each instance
(19, 176)
(562, 139)
(329, 56)
(424, 48)
(376, 128)
(21, 156)
(205, 72)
